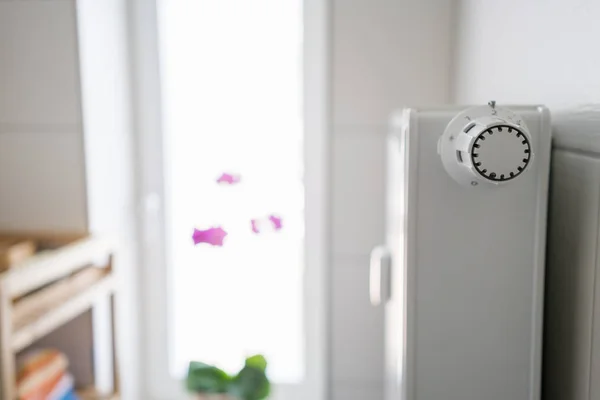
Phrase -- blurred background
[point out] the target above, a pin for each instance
(119, 117)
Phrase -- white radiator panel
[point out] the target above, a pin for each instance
(572, 315)
(468, 270)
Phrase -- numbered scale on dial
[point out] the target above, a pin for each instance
(486, 146)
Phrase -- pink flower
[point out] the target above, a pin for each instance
(276, 221)
(212, 236)
(228, 179)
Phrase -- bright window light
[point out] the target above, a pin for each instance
(232, 84)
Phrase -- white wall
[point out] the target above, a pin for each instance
(528, 51)
(42, 177)
(386, 54)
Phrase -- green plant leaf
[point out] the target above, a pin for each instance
(204, 378)
(251, 383)
(258, 361)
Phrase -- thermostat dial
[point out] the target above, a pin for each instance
(486, 145)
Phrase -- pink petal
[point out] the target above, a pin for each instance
(229, 179)
(276, 221)
(254, 225)
(212, 236)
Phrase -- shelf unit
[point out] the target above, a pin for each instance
(45, 291)
(92, 394)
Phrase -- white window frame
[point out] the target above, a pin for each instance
(157, 383)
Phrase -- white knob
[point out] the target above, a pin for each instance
(486, 145)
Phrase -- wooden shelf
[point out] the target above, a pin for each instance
(45, 311)
(42, 292)
(14, 250)
(50, 265)
(91, 394)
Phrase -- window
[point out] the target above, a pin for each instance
(232, 87)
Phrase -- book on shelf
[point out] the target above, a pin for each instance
(43, 375)
(64, 389)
